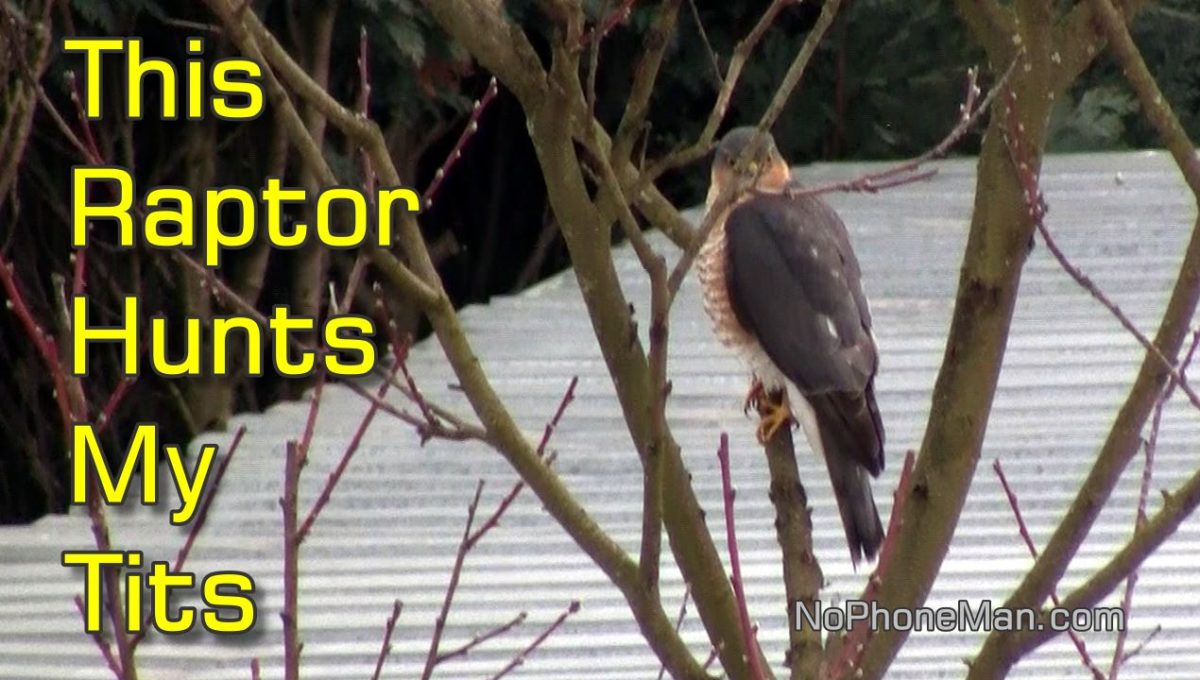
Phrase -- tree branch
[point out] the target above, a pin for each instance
(1000, 651)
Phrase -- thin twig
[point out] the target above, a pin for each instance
(42, 341)
(687, 594)
(112, 605)
(1141, 645)
(615, 18)
(1036, 204)
(466, 647)
(970, 110)
(386, 648)
(101, 644)
(737, 61)
(198, 524)
(713, 62)
(291, 573)
(469, 130)
(735, 563)
(1080, 646)
(552, 424)
(524, 654)
(1141, 518)
(115, 398)
(344, 462)
(439, 625)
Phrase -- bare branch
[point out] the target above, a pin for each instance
(802, 576)
(1037, 211)
(1151, 446)
(439, 625)
(645, 75)
(198, 523)
(737, 61)
(386, 648)
(1177, 507)
(1080, 647)
(735, 564)
(468, 132)
(291, 563)
(481, 638)
(524, 654)
(336, 475)
(799, 65)
(1000, 651)
(844, 658)
(971, 109)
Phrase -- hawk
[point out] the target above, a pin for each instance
(781, 284)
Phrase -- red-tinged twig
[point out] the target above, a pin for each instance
(494, 519)
(255, 669)
(201, 518)
(615, 18)
(456, 152)
(77, 99)
(291, 563)
(364, 74)
(1035, 201)
(457, 428)
(687, 594)
(524, 654)
(114, 609)
(855, 641)
(310, 423)
(1080, 647)
(386, 648)
(552, 424)
(439, 625)
(712, 656)
(1151, 446)
(400, 353)
(364, 107)
(101, 644)
(78, 271)
(400, 347)
(1141, 645)
(336, 476)
(42, 341)
(114, 402)
(465, 648)
(735, 564)
(970, 111)
(469, 539)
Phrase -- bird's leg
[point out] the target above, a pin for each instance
(775, 412)
(755, 396)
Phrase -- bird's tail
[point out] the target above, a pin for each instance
(846, 429)
(860, 519)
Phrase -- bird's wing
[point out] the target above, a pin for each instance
(794, 284)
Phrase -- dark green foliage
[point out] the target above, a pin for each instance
(1102, 114)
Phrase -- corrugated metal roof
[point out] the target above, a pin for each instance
(394, 523)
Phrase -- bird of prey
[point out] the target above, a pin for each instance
(781, 284)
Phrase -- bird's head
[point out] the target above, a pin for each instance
(766, 168)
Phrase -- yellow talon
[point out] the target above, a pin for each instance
(774, 412)
(754, 397)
